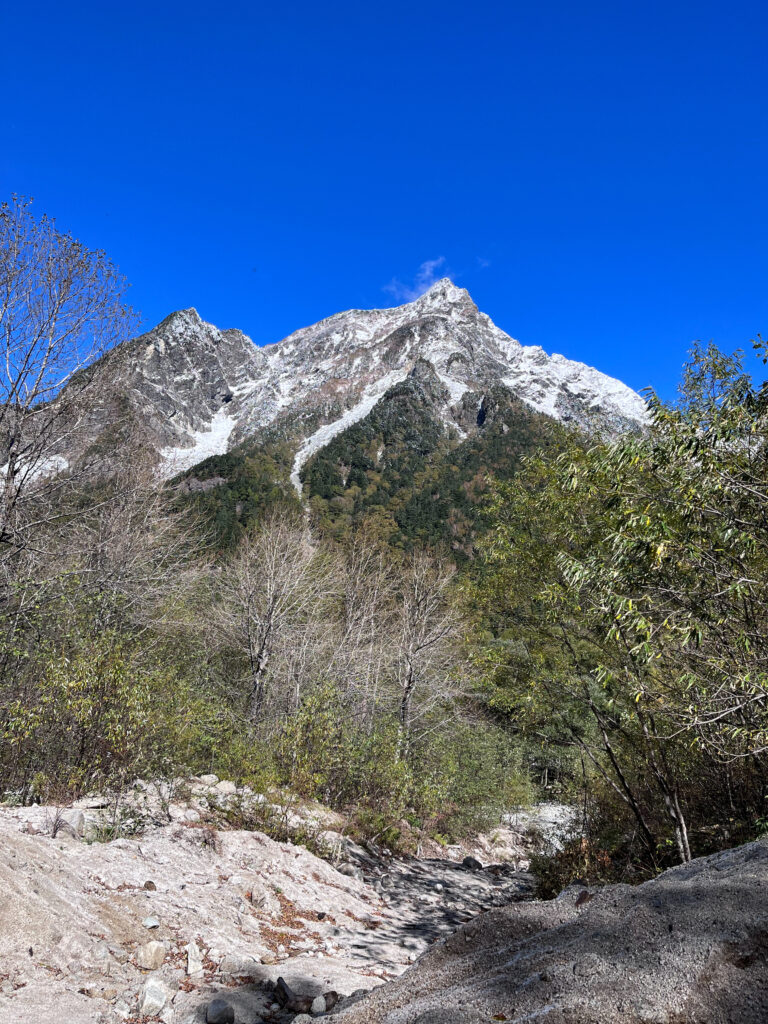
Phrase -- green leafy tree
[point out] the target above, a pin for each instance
(623, 598)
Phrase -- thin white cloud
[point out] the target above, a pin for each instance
(428, 273)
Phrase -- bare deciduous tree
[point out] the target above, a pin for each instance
(266, 598)
(61, 307)
(426, 627)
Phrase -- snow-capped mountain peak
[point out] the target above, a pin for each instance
(201, 390)
(442, 295)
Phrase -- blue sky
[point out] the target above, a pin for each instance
(594, 173)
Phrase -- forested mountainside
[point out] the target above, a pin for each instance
(400, 473)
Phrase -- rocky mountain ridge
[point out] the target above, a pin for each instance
(199, 391)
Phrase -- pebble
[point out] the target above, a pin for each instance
(151, 922)
(318, 1006)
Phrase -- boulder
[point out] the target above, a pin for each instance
(72, 823)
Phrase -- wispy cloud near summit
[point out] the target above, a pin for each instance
(429, 272)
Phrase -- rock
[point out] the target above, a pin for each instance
(318, 1006)
(154, 995)
(291, 1000)
(472, 863)
(584, 897)
(219, 1012)
(194, 959)
(226, 788)
(209, 780)
(234, 966)
(151, 922)
(191, 815)
(150, 956)
(351, 871)
(72, 823)
(93, 803)
(150, 886)
(303, 1018)
(101, 950)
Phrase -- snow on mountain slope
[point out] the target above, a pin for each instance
(199, 391)
(213, 441)
(328, 431)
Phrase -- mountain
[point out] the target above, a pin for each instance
(396, 414)
(200, 391)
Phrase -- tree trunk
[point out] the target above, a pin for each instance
(405, 710)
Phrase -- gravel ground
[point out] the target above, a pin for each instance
(155, 927)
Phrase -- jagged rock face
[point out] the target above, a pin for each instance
(199, 391)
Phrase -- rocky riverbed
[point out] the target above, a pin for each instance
(162, 924)
(183, 922)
